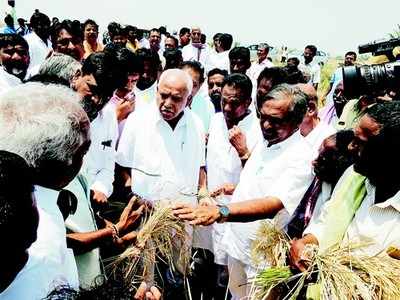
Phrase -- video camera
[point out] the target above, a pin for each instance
(368, 79)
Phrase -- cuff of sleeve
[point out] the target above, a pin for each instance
(98, 186)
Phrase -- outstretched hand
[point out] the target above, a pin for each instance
(129, 216)
(147, 293)
(199, 215)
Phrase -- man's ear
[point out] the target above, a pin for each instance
(74, 78)
(311, 108)
(189, 100)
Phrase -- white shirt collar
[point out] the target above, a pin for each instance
(392, 201)
(295, 137)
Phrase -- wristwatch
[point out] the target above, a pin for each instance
(224, 213)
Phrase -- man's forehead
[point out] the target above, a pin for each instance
(196, 30)
(17, 46)
(276, 107)
(172, 85)
(216, 77)
(366, 127)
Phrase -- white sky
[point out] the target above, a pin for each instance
(334, 26)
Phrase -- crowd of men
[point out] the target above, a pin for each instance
(88, 127)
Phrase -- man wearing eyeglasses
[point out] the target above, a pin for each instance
(67, 38)
(271, 184)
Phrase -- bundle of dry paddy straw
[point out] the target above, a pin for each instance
(162, 236)
(342, 272)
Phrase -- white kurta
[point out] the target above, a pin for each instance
(99, 162)
(283, 171)
(165, 163)
(51, 242)
(315, 138)
(312, 69)
(83, 220)
(225, 166)
(35, 281)
(218, 60)
(191, 53)
(203, 108)
(7, 80)
(38, 52)
(145, 97)
(256, 68)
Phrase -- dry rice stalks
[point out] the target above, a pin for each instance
(162, 236)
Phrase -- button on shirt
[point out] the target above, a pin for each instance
(38, 52)
(283, 171)
(165, 163)
(203, 108)
(224, 165)
(376, 223)
(99, 162)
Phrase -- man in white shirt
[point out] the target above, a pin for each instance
(23, 275)
(166, 160)
(146, 86)
(239, 60)
(54, 147)
(198, 100)
(38, 41)
(215, 78)
(196, 50)
(310, 67)
(312, 128)
(14, 58)
(261, 63)
(220, 57)
(374, 219)
(275, 177)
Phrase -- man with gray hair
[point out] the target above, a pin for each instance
(261, 63)
(271, 184)
(48, 128)
(166, 160)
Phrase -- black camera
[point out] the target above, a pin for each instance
(382, 47)
(370, 79)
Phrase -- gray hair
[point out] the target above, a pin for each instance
(60, 65)
(263, 46)
(41, 123)
(178, 74)
(298, 105)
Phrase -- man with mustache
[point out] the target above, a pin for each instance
(214, 82)
(275, 178)
(14, 58)
(67, 38)
(161, 148)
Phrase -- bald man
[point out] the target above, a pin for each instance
(311, 128)
(161, 150)
(196, 51)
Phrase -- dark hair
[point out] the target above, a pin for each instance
(195, 66)
(217, 36)
(239, 81)
(105, 68)
(148, 55)
(226, 40)
(115, 29)
(130, 28)
(276, 74)
(215, 71)
(295, 59)
(386, 114)
(162, 30)
(12, 40)
(72, 27)
(173, 58)
(39, 18)
(352, 53)
(312, 48)
(240, 53)
(17, 223)
(90, 22)
(184, 30)
(127, 63)
(175, 40)
(155, 30)
(9, 20)
(203, 38)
